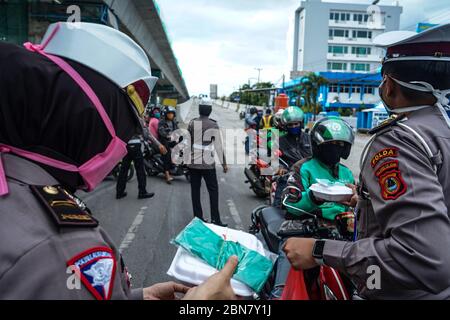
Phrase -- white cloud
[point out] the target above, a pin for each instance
(222, 41)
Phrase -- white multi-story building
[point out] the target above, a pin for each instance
(337, 37)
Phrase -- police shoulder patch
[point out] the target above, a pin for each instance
(96, 268)
(65, 209)
(391, 181)
(391, 152)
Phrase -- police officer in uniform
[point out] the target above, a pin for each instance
(402, 246)
(64, 127)
(206, 142)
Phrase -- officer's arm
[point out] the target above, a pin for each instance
(413, 248)
(219, 147)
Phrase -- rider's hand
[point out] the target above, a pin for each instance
(281, 171)
(354, 201)
(299, 252)
(164, 291)
(218, 287)
(225, 168)
(162, 150)
(292, 195)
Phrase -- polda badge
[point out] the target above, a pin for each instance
(392, 185)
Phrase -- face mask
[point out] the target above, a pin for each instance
(295, 131)
(95, 170)
(157, 115)
(329, 154)
(426, 88)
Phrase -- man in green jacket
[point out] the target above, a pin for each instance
(331, 140)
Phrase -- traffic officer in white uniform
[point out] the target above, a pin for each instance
(402, 246)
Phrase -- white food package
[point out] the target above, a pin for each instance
(190, 269)
(333, 192)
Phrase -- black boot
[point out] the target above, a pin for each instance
(146, 195)
(121, 195)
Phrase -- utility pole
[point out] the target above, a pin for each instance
(259, 74)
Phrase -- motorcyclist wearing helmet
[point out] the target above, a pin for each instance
(295, 145)
(155, 118)
(250, 119)
(332, 139)
(166, 127)
(64, 127)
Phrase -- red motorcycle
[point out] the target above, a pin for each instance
(321, 283)
(259, 174)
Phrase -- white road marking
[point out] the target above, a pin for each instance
(131, 235)
(223, 180)
(235, 214)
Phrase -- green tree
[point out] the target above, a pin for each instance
(308, 89)
(257, 98)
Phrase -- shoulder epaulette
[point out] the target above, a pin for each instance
(65, 209)
(387, 123)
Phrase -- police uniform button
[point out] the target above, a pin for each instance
(51, 190)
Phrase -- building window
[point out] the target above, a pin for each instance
(333, 88)
(369, 90)
(362, 34)
(362, 51)
(337, 49)
(340, 33)
(339, 16)
(337, 66)
(356, 89)
(359, 17)
(360, 67)
(345, 88)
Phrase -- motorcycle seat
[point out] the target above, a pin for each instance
(272, 218)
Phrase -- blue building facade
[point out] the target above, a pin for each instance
(344, 90)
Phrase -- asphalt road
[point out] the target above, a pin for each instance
(143, 229)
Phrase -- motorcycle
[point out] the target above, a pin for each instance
(322, 283)
(115, 172)
(154, 163)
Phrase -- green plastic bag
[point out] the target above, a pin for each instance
(253, 268)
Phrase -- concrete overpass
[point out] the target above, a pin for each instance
(142, 21)
(22, 21)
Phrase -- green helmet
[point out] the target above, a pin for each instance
(332, 129)
(292, 115)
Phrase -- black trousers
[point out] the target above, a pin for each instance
(210, 177)
(134, 155)
(167, 159)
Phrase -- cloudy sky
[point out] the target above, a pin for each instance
(223, 41)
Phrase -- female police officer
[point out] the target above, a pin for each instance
(65, 112)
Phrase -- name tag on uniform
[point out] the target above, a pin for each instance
(65, 209)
